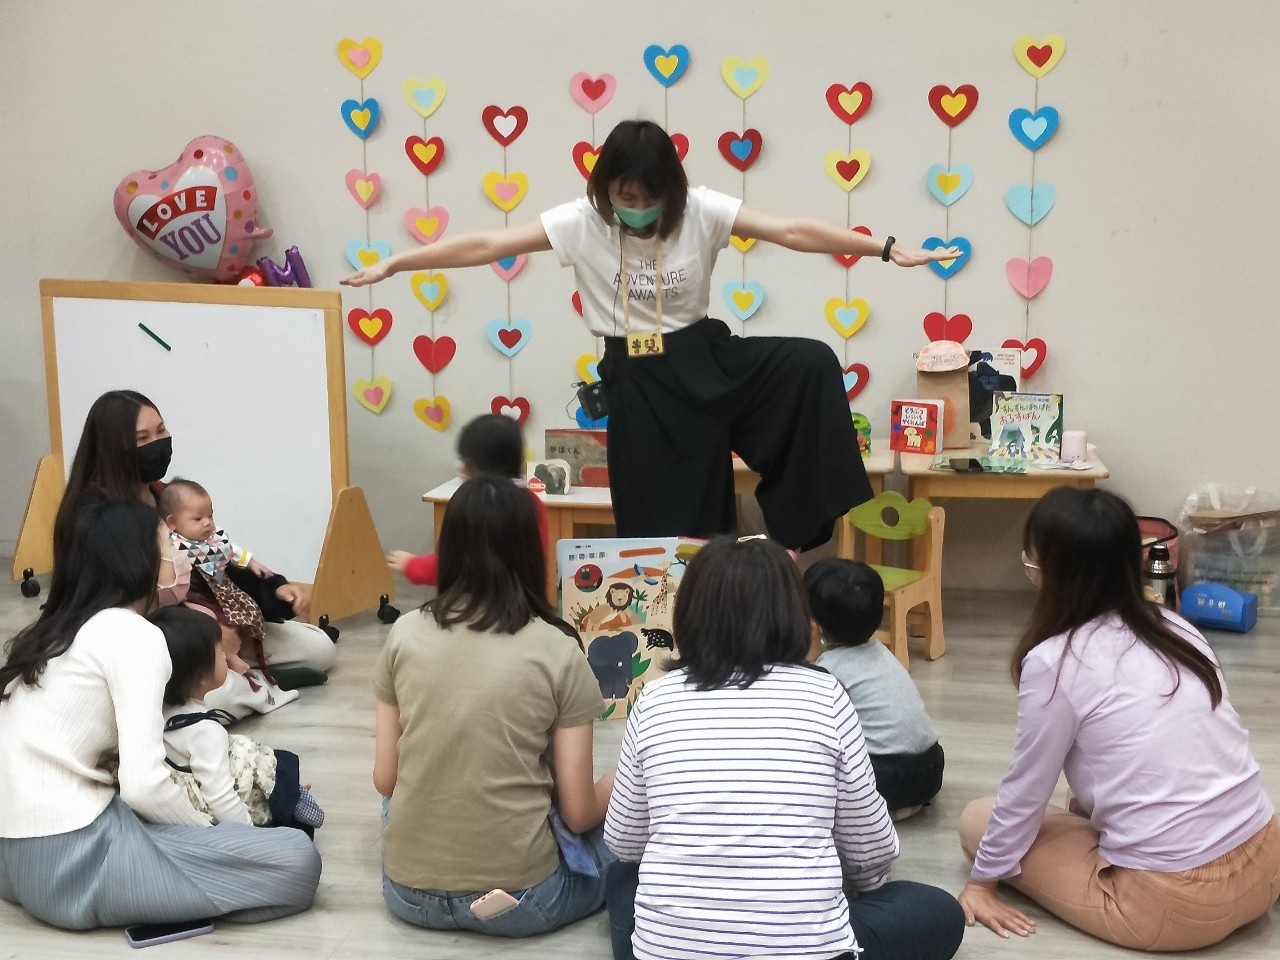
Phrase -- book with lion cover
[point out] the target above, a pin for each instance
(619, 594)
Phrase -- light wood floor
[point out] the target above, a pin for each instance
(968, 694)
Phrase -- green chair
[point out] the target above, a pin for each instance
(890, 517)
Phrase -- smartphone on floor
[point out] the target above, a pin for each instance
(149, 934)
(493, 903)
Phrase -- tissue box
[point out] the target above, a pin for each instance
(1214, 605)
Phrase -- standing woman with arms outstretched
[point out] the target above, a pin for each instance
(85, 684)
(683, 393)
(1170, 842)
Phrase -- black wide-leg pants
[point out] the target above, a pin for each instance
(675, 420)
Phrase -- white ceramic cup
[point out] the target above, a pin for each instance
(1074, 447)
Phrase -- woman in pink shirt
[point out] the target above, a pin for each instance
(1171, 842)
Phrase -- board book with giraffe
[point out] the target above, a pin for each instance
(619, 594)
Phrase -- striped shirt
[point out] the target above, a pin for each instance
(746, 809)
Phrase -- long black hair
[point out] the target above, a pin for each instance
(492, 572)
(105, 466)
(640, 152)
(741, 608)
(1089, 551)
(112, 560)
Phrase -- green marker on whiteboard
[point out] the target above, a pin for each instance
(151, 333)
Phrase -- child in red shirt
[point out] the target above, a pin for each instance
(490, 445)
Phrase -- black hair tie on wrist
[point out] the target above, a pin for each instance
(888, 244)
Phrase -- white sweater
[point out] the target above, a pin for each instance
(204, 748)
(103, 695)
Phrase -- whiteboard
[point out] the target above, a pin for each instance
(245, 390)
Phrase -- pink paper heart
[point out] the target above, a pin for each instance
(1029, 278)
(506, 189)
(359, 56)
(359, 182)
(510, 266)
(373, 395)
(426, 226)
(592, 93)
(1036, 348)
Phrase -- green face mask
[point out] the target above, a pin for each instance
(639, 219)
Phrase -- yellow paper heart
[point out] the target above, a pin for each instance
(735, 70)
(364, 189)
(743, 299)
(837, 312)
(372, 394)
(850, 100)
(370, 326)
(368, 257)
(666, 65)
(1054, 42)
(427, 226)
(419, 280)
(742, 243)
(360, 58)
(505, 192)
(361, 118)
(589, 160)
(583, 366)
(425, 152)
(837, 164)
(425, 106)
(434, 412)
(953, 104)
(947, 182)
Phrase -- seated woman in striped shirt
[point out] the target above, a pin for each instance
(744, 804)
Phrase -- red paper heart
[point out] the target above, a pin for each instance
(847, 260)
(576, 300)
(833, 101)
(727, 140)
(864, 375)
(413, 146)
(516, 118)
(1034, 344)
(509, 337)
(848, 169)
(1039, 55)
(519, 403)
(382, 315)
(581, 151)
(434, 354)
(681, 143)
(594, 89)
(970, 93)
(938, 327)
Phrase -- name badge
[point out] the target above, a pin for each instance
(644, 344)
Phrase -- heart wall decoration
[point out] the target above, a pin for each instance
(849, 104)
(1029, 278)
(666, 65)
(372, 394)
(505, 126)
(509, 337)
(938, 326)
(199, 214)
(1034, 348)
(741, 150)
(1038, 57)
(953, 107)
(434, 412)
(360, 58)
(592, 93)
(517, 408)
(373, 327)
(856, 378)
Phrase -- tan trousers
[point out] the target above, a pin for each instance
(1142, 909)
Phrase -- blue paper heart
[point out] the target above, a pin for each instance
(355, 246)
(944, 198)
(653, 52)
(424, 97)
(745, 76)
(741, 149)
(588, 424)
(510, 349)
(1030, 204)
(850, 380)
(753, 287)
(1033, 130)
(506, 263)
(350, 106)
(966, 250)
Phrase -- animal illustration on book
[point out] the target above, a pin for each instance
(1027, 426)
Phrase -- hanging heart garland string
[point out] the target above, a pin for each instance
(741, 150)
(947, 183)
(361, 116)
(1030, 203)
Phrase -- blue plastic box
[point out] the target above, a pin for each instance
(1221, 608)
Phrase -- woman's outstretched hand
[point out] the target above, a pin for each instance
(370, 274)
(914, 257)
(981, 905)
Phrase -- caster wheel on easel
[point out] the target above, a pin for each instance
(386, 612)
(30, 586)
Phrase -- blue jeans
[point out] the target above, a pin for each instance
(557, 901)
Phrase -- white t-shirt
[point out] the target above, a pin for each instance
(583, 240)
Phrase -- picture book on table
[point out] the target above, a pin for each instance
(991, 372)
(1027, 426)
(915, 426)
(619, 594)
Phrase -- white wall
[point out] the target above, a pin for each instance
(1159, 317)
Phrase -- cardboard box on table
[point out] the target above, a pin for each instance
(619, 594)
(942, 371)
(586, 451)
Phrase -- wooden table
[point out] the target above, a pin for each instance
(937, 484)
(593, 506)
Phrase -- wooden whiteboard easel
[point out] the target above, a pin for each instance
(251, 381)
